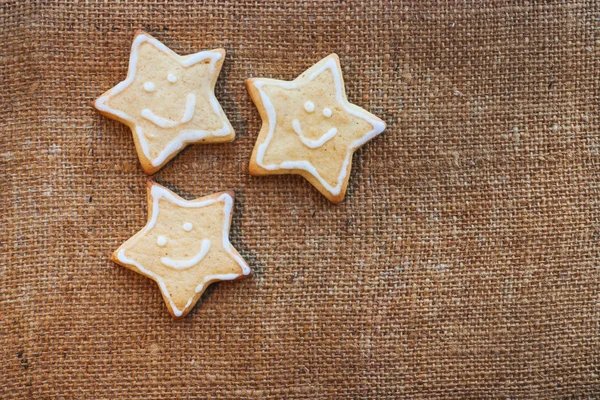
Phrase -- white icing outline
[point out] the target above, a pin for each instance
(157, 192)
(185, 136)
(330, 63)
(313, 143)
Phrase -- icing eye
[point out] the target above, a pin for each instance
(172, 78)
(149, 87)
(187, 226)
(161, 241)
(327, 112)
(309, 106)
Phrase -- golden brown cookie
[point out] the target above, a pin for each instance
(309, 128)
(168, 101)
(184, 247)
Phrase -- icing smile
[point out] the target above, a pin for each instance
(190, 262)
(313, 144)
(190, 105)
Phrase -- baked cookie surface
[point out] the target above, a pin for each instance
(309, 128)
(168, 101)
(184, 246)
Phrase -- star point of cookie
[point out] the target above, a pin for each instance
(184, 246)
(310, 128)
(168, 101)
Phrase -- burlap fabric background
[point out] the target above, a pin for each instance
(464, 262)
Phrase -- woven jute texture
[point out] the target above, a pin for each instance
(463, 263)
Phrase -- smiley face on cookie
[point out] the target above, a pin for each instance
(309, 127)
(168, 101)
(309, 107)
(188, 261)
(166, 122)
(184, 246)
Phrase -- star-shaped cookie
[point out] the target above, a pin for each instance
(168, 101)
(309, 128)
(184, 247)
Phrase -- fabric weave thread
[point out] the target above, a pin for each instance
(463, 262)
